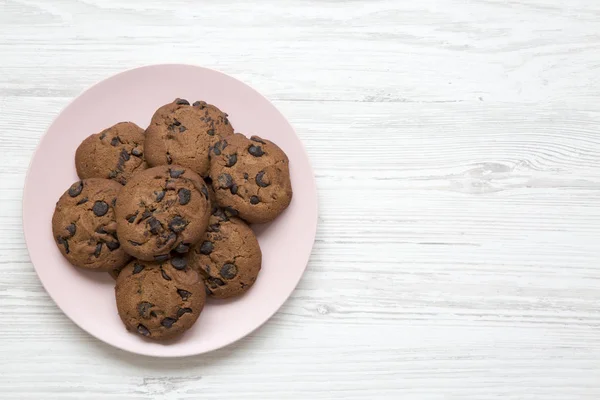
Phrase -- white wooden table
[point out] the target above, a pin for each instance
(456, 146)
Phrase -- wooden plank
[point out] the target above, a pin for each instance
(456, 149)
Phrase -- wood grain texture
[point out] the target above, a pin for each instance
(456, 145)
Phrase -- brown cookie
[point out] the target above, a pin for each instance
(182, 134)
(115, 153)
(84, 225)
(250, 177)
(159, 300)
(162, 209)
(229, 257)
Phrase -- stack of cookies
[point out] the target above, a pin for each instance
(165, 212)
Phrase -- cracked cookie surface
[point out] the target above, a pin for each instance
(162, 209)
(250, 177)
(228, 257)
(84, 225)
(182, 134)
(159, 300)
(115, 153)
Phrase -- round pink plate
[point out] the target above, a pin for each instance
(87, 297)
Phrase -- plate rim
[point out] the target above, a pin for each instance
(313, 225)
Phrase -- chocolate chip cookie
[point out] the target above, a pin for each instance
(159, 300)
(84, 225)
(162, 209)
(182, 134)
(115, 153)
(250, 177)
(228, 257)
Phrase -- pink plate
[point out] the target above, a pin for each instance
(87, 297)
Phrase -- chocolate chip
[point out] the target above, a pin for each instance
(204, 191)
(182, 102)
(113, 174)
(100, 208)
(184, 294)
(211, 132)
(176, 173)
(142, 330)
(215, 282)
(168, 322)
(166, 238)
(182, 248)
(71, 228)
(214, 228)
(260, 179)
(131, 217)
(206, 248)
(137, 268)
(200, 104)
(114, 202)
(256, 151)
(234, 189)
(183, 311)
(226, 121)
(136, 152)
(178, 263)
(225, 181)
(66, 244)
(169, 159)
(229, 271)
(254, 200)
(160, 196)
(75, 189)
(145, 215)
(177, 224)
(112, 246)
(143, 309)
(176, 122)
(231, 160)
(218, 212)
(164, 275)
(161, 257)
(82, 201)
(182, 129)
(184, 196)
(124, 155)
(63, 242)
(115, 141)
(245, 175)
(103, 135)
(257, 139)
(134, 243)
(154, 225)
(98, 250)
(230, 211)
